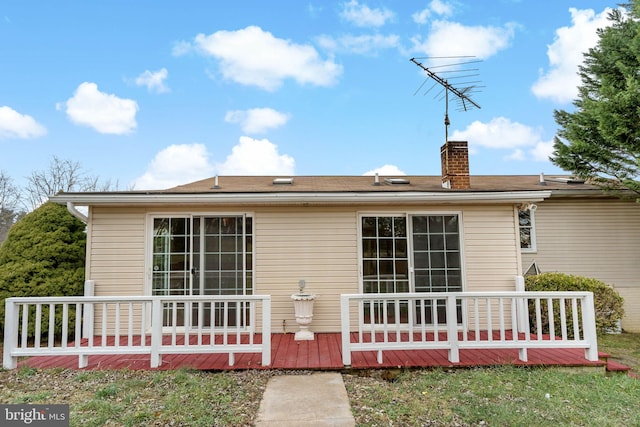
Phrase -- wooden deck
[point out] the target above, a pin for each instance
(323, 353)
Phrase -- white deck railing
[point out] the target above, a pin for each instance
(135, 325)
(468, 320)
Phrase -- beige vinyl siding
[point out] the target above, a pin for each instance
(317, 245)
(592, 238)
(490, 248)
(490, 255)
(115, 259)
(117, 250)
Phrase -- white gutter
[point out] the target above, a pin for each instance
(75, 212)
(292, 197)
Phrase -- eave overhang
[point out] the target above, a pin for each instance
(293, 198)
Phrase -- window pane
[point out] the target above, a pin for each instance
(370, 268)
(228, 225)
(436, 242)
(212, 262)
(437, 260)
(402, 269)
(435, 224)
(386, 248)
(420, 243)
(453, 260)
(400, 227)
(368, 227)
(369, 248)
(452, 241)
(421, 260)
(228, 244)
(385, 227)
(179, 244)
(419, 224)
(386, 269)
(178, 226)
(228, 262)
(451, 224)
(401, 248)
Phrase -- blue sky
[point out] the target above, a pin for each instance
(152, 94)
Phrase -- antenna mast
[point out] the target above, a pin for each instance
(463, 94)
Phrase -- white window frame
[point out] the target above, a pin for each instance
(151, 216)
(408, 215)
(532, 230)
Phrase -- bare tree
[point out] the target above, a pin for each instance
(9, 202)
(62, 175)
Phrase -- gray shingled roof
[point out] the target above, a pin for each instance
(265, 184)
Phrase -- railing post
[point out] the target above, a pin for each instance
(345, 325)
(10, 334)
(589, 328)
(156, 332)
(266, 331)
(87, 323)
(522, 307)
(452, 329)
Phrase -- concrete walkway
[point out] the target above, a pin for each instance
(305, 400)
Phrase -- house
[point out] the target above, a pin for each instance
(235, 235)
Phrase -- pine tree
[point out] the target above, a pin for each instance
(600, 140)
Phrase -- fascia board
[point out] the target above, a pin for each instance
(297, 198)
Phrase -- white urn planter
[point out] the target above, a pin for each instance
(303, 305)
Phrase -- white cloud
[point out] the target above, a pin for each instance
(437, 7)
(16, 125)
(106, 113)
(560, 82)
(441, 7)
(386, 170)
(502, 133)
(255, 57)
(363, 44)
(363, 16)
(257, 120)
(454, 39)
(176, 165)
(256, 157)
(542, 151)
(154, 81)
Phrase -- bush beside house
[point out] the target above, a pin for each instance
(608, 303)
(44, 255)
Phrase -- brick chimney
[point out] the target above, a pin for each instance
(455, 165)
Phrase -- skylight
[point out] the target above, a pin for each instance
(283, 181)
(396, 181)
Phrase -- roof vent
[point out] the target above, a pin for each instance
(397, 181)
(566, 179)
(283, 181)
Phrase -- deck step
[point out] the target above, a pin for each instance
(613, 366)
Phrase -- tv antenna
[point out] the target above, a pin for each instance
(457, 71)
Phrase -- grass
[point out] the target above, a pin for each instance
(624, 348)
(503, 396)
(500, 396)
(141, 398)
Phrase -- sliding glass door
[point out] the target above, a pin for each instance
(203, 255)
(410, 253)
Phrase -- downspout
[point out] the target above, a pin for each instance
(75, 212)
